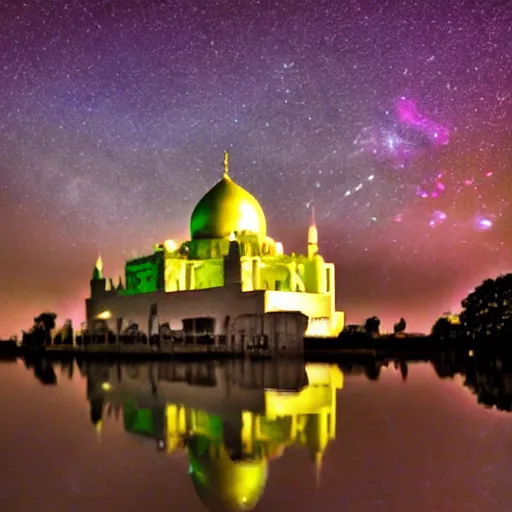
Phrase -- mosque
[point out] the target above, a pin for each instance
(230, 420)
(228, 277)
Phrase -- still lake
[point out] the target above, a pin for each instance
(368, 434)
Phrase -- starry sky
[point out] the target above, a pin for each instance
(395, 118)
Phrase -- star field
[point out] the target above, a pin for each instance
(395, 118)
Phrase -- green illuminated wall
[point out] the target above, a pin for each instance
(138, 421)
(144, 275)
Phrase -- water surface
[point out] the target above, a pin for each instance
(359, 435)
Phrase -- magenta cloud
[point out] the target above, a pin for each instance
(407, 113)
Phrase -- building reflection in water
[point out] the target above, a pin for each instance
(230, 419)
(233, 419)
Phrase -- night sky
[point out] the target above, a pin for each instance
(395, 118)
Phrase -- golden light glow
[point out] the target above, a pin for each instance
(105, 315)
(232, 236)
(106, 386)
(279, 249)
(250, 218)
(454, 319)
(170, 245)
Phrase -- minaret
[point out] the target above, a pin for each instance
(98, 282)
(317, 438)
(312, 235)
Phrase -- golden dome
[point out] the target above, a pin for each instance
(224, 209)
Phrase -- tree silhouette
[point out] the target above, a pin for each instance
(45, 322)
(372, 325)
(372, 371)
(487, 311)
(400, 326)
(442, 328)
(41, 332)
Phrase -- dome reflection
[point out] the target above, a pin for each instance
(223, 482)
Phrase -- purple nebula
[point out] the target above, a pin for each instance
(407, 113)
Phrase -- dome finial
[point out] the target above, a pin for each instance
(226, 164)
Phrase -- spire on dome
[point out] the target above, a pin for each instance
(226, 164)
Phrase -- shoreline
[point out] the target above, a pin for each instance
(314, 350)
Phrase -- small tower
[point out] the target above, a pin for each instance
(98, 282)
(312, 235)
